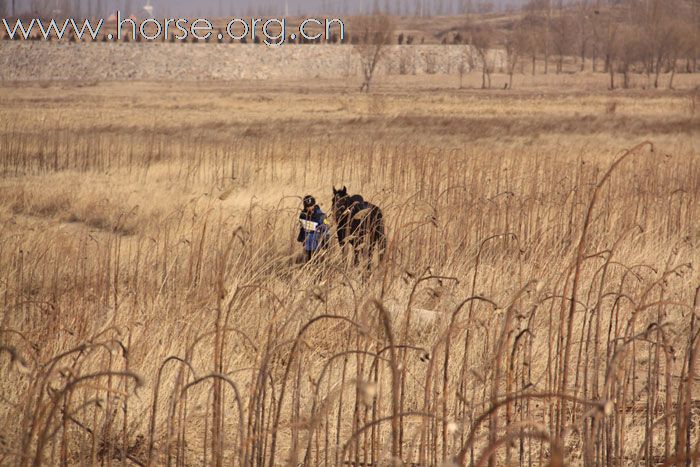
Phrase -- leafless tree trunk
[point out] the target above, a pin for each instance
(583, 31)
(673, 73)
(466, 64)
(562, 28)
(562, 37)
(480, 39)
(629, 50)
(596, 36)
(612, 76)
(485, 73)
(515, 41)
(680, 44)
(610, 50)
(531, 23)
(609, 38)
(376, 32)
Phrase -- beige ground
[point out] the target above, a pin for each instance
(161, 217)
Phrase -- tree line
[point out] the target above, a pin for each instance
(618, 37)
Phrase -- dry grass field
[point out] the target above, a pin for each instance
(537, 303)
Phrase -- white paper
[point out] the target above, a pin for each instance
(309, 226)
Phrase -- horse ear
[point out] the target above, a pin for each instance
(344, 191)
(334, 190)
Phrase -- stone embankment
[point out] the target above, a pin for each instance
(36, 60)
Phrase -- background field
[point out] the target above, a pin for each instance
(141, 221)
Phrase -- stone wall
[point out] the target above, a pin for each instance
(35, 60)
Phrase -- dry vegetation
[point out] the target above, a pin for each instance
(537, 304)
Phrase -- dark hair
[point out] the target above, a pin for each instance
(309, 201)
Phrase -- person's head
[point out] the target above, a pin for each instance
(309, 203)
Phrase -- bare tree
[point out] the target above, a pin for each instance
(609, 36)
(538, 20)
(515, 44)
(597, 35)
(376, 32)
(532, 28)
(466, 65)
(584, 31)
(628, 51)
(680, 44)
(659, 19)
(563, 32)
(481, 38)
(547, 7)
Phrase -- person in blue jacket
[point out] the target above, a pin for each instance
(313, 232)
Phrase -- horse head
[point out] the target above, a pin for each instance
(341, 207)
(340, 202)
(339, 194)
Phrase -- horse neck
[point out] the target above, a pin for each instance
(345, 211)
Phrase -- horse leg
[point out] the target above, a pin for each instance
(370, 234)
(355, 252)
(366, 242)
(370, 247)
(380, 236)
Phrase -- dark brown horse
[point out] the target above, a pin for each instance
(360, 223)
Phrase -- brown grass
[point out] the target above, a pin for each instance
(537, 303)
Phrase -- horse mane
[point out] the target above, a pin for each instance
(351, 203)
(356, 202)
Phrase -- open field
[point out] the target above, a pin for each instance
(532, 307)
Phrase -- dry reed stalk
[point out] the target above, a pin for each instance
(580, 252)
(239, 404)
(154, 402)
(295, 345)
